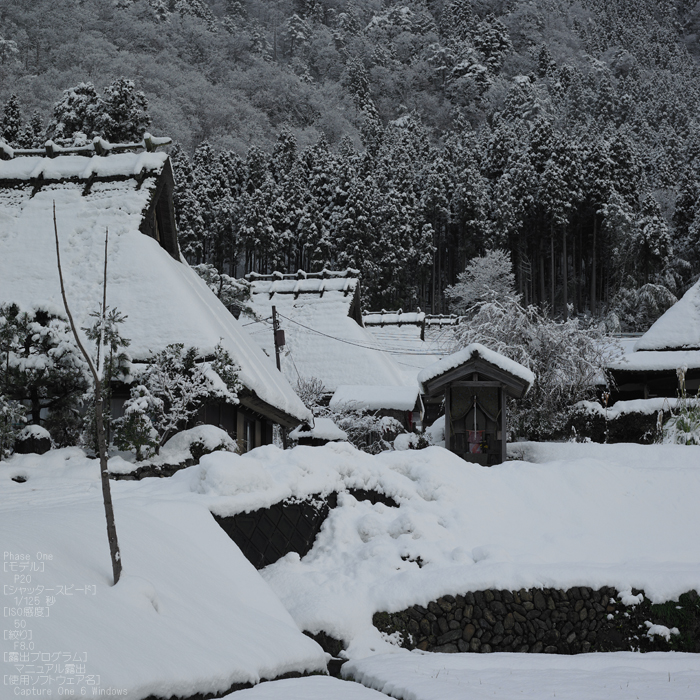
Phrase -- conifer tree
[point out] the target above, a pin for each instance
(11, 122)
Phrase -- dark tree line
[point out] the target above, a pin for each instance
(401, 137)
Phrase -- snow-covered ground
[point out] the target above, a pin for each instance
(191, 615)
(613, 676)
(314, 688)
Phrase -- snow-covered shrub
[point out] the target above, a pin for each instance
(173, 387)
(626, 421)
(135, 429)
(43, 369)
(634, 309)
(196, 442)
(366, 430)
(33, 439)
(312, 392)
(11, 423)
(486, 278)
(234, 293)
(568, 358)
(411, 441)
(435, 433)
(683, 427)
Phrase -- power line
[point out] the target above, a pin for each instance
(396, 351)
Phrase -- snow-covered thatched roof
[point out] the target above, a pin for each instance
(678, 328)
(164, 300)
(321, 318)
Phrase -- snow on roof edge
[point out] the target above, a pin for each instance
(458, 358)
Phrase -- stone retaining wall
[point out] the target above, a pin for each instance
(546, 620)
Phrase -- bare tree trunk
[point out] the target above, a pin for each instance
(101, 442)
(565, 273)
(593, 265)
(553, 276)
(543, 294)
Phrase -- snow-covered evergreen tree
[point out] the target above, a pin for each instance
(124, 117)
(11, 122)
(43, 368)
(173, 387)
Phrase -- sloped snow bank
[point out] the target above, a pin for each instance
(190, 614)
(613, 676)
(617, 516)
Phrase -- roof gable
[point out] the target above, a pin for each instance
(477, 359)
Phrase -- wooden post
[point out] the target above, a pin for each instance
(448, 425)
(240, 431)
(504, 425)
(275, 328)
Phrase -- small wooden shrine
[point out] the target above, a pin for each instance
(475, 383)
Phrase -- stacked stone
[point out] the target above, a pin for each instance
(541, 620)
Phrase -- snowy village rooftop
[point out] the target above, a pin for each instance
(322, 320)
(98, 146)
(345, 281)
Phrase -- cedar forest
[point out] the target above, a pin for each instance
(401, 138)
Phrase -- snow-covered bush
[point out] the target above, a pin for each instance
(312, 392)
(411, 441)
(173, 387)
(683, 427)
(568, 358)
(634, 309)
(367, 430)
(486, 278)
(234, 293)
(42, 368)
(135, 429)
(196, 442)
(11, 423)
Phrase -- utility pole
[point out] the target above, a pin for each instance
(279, 344)
(279, 336)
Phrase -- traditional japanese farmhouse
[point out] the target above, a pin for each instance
(126, 190)
(325, 338)
(671, 344)
(473, 385)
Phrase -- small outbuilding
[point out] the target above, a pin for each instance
(475, 383)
